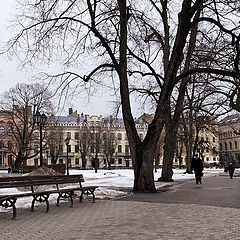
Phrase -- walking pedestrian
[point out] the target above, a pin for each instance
(197, 166)
(231, 169)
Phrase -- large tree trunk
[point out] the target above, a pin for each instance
(169, 151)
(84, 161)
(143, 170)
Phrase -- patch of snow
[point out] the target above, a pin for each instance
(111, 183)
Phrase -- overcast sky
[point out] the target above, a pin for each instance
(11, 74)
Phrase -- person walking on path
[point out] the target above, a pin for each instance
(197, 166)
(231, 169)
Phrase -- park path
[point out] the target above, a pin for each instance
(218, 190)
(185, 211)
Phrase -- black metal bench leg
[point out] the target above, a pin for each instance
(47, 205)
(81, 197)
(71, 198)
(58, 199)
(93, 197)
(32, 206)
(14, 212)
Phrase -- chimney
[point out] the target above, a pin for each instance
(70, 111)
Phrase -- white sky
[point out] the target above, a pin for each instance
(11, 74)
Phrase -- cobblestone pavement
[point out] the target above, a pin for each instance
(126, 219)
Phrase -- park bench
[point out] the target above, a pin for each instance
(58, 184)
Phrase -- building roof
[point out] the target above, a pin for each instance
(68, 119)
(81, 119)
(234, 118)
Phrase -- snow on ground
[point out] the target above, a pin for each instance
(111, 183)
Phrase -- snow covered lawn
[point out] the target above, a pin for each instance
(112, 183)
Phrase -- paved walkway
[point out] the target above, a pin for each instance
(186, 211)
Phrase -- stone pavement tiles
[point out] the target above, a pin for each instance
(120, 220)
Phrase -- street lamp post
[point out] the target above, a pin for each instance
(41, 120)
(67, 141)
(47, 151)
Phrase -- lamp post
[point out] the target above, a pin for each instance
(67, 141)
(47, 151)
(41, 120)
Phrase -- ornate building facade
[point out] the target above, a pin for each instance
(229, 139)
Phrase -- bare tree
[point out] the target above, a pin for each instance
(150, 54)
(84, 143)
(53, 139)
(21, 103)
(96, 132)
(109, 144)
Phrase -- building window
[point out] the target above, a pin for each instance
(225, 145)
(119, 136)
(214, 149)
(1, 130)
(119, 161)
(236, 145)
(92, 149)
(220, 147)
(76, 148)
(112, 136)
(119, 148)
(61, 149)
(60, 135)
(112, 161)
(60, 160)
(76, 135)
(126, 149)
(207, 149)
(207, 159)
(230, 145)
(214, 139)
(69, 135)
(76, 161)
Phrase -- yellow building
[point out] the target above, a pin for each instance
(229, 139)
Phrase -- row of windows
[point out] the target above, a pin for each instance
(92, 149)
(112, 136)
(228, 146)
(228, 134)
(113, 161)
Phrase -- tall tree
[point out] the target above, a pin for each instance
(109, 143)
(84, 143)
(53, 139)
(147, 53)
(21, 103)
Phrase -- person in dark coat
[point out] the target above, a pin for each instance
(231, 169)
(197, 166)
